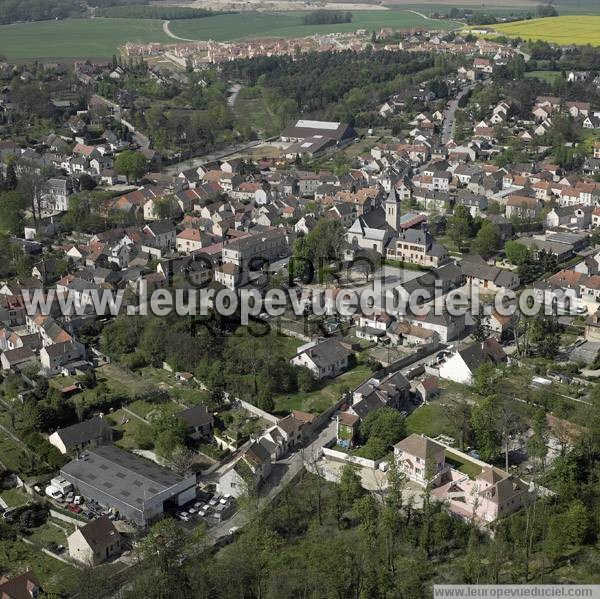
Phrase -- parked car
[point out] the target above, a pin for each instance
(78, 500)
(185, 516)
(74, 508)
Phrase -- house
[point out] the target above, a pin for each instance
(16, 359)
(379, 391)
(23, 586)
(461, 366)
(493, 493)
(346, 429)
(94, 542)
(427, 388)
(421, 459)
(325, 358)
(199, 422)
(189, 240)
(522, 206)
(446, 326)
(481, 276)
(247, 473)
(54, 357)
(89, 433)
(417, 247)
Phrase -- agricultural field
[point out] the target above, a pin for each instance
(560, 30)
(75, 38)
(99, 38)
(289, 24)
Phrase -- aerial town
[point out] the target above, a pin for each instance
(248, 449)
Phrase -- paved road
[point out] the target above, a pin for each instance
(284, 471)
(449, 115)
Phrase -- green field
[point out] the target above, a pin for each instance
(75, 38)
(560, 30)
(100, 38)
(289, 24)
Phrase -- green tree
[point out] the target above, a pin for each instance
(350, 486)
(487, 240)
(460, 226)
(483, 424)
(516, 252)
(132, 164)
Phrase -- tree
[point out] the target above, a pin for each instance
(350, 486)
(168, 429)
(459, 414)
(484, 378)
(487, 241)
(386, 425)
(12, 205)
(132, 164)
(483, 423)
(460, 225)
(516, 252)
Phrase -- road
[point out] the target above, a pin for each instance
(168, 32)
(449, 115)
(195, 162)
(283, 472)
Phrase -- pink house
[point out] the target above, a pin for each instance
(492, 494)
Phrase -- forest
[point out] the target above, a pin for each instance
(139, 11)
(327, 17)
(346, 86)
(14, 11)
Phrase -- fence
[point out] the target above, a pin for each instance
(340, 456)
(257, 411)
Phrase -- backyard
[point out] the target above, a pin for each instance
(327, 394)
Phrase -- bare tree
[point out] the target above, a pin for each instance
(31, 185)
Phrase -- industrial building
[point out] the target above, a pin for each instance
(140, 490)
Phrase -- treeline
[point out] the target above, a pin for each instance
(327, 17)
(171, 13)
(14, 11)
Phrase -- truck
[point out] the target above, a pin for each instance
(63, 485)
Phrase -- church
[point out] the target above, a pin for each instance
(395, 236)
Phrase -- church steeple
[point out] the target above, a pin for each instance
(392, 209)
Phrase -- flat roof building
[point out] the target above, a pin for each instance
(137, 488)
(303, 129)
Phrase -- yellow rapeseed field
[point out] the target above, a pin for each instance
(580, 30)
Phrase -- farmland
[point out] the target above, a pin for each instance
(75, 38)
(100, 38)
(561, 30)
(289, 24)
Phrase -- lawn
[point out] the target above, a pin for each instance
(47, 535)
(462, 465)
(76, 38)
(560, 30)
(548, 76)
(14, 497)
(17, 556)
(126, 425)
(429, 420)
(326, 395)
(289, 24)
(10, 453)
(254, 113)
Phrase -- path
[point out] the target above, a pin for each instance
(168, 32)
